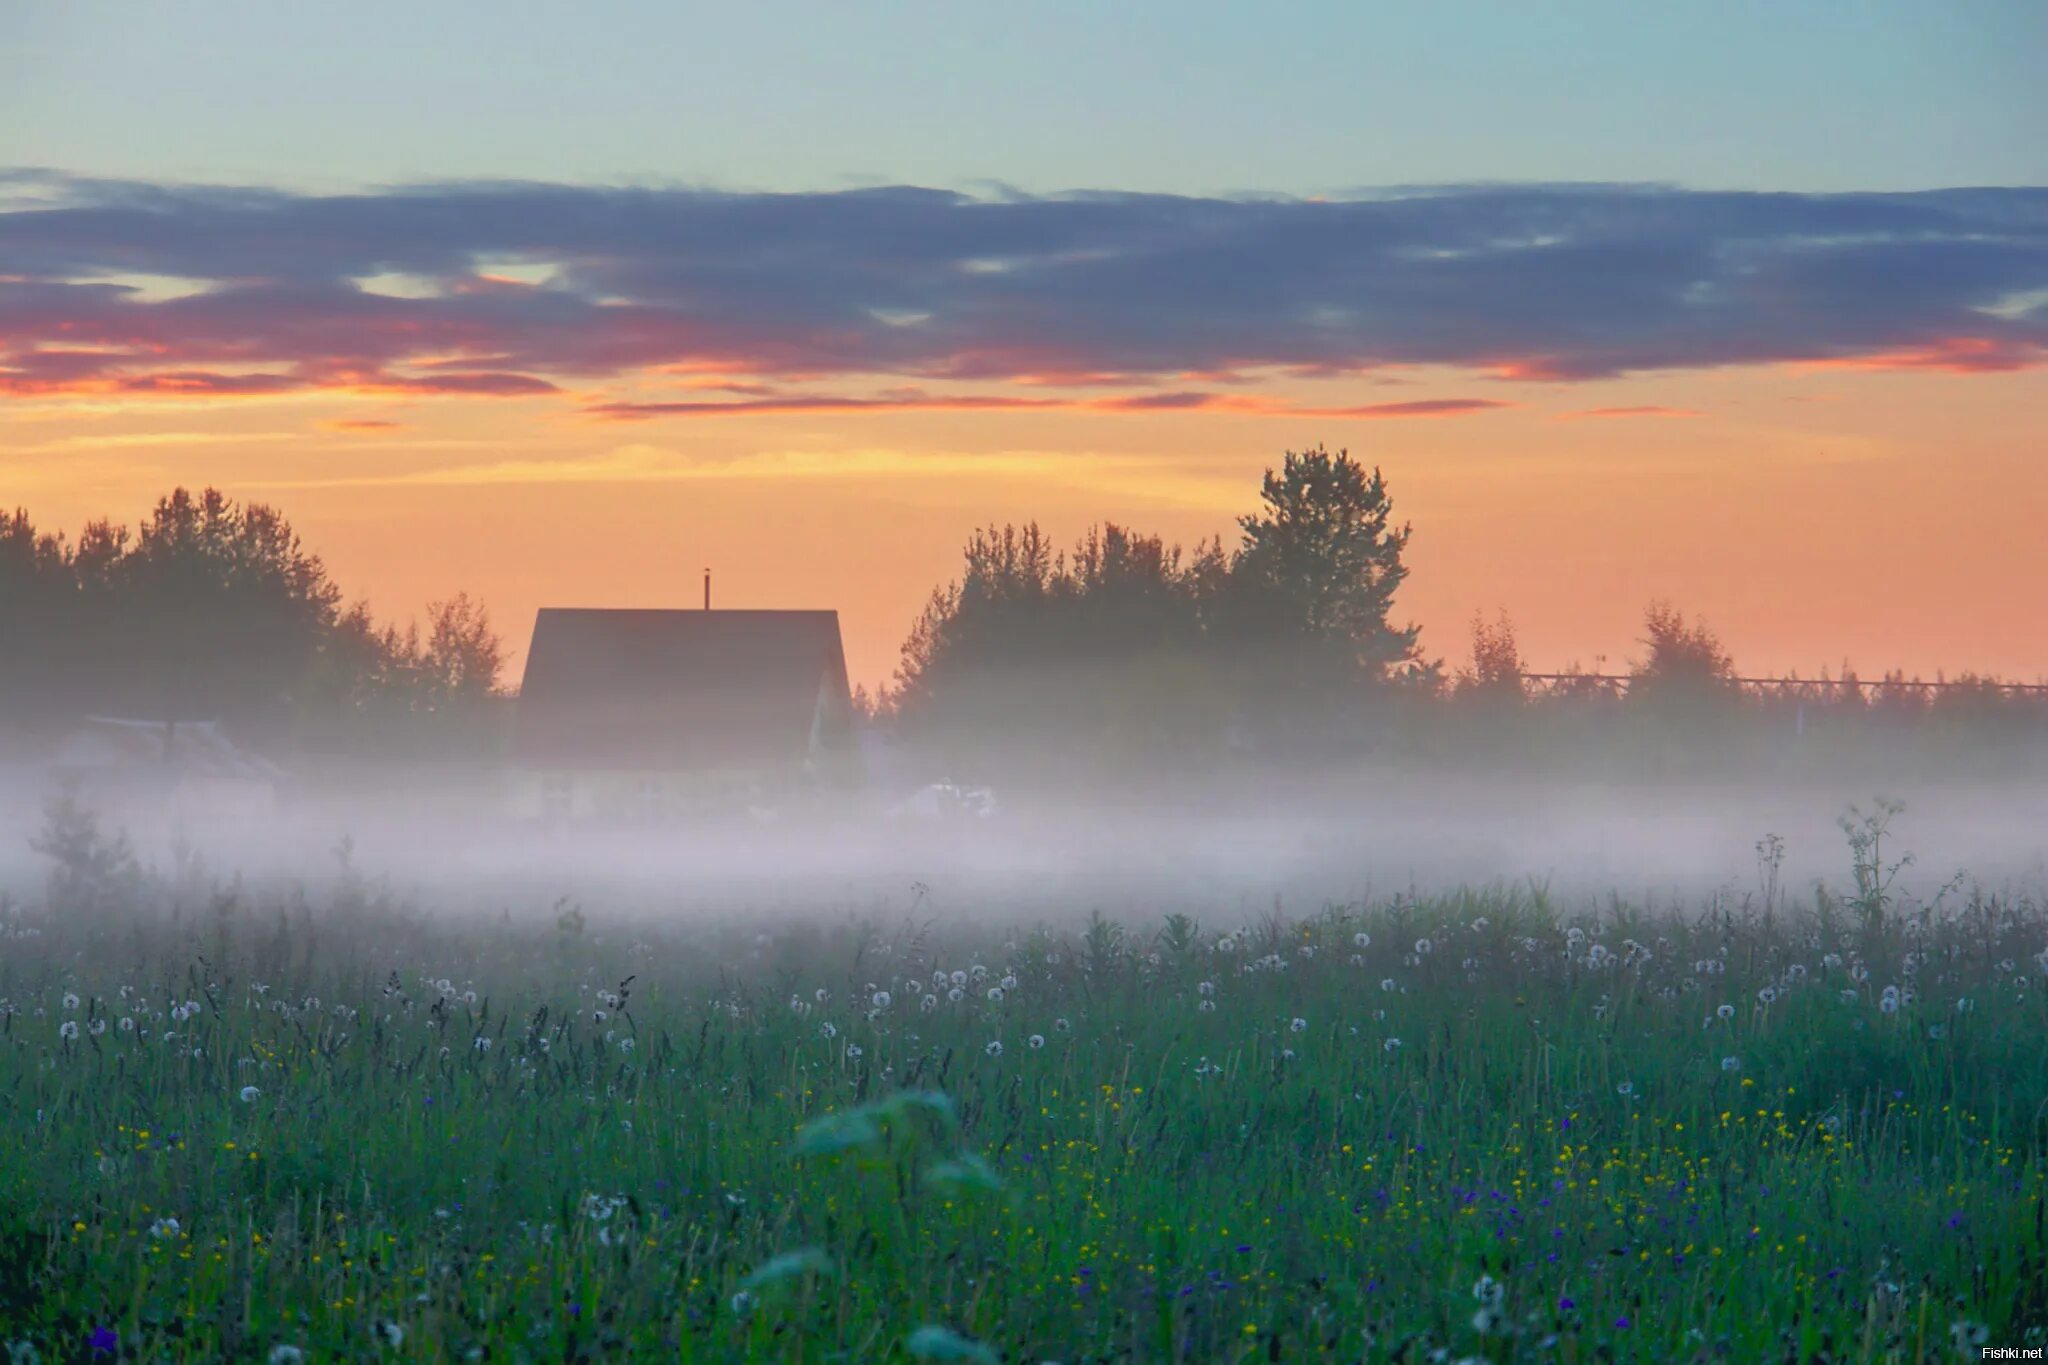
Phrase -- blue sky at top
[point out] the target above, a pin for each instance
(1191, 96)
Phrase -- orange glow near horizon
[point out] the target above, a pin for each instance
(1887, 519)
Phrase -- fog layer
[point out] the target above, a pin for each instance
(1382, 835)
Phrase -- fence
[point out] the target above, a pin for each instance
(1790, 689)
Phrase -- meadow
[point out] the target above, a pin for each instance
(293, 1124)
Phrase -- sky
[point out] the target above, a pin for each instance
(1742, 306)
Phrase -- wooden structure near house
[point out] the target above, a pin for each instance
(648, 715)
(187, 768)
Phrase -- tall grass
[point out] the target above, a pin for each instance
(281, 1127)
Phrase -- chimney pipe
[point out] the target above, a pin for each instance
(707, 589)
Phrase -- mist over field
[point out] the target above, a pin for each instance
(1225, 856)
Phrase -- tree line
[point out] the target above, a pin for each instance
(210, 609)
(1120, 652)
(1127, 653)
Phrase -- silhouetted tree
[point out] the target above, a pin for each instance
(463, 654)
(1496, 668)
(225, 605)
(39, 596)
(1684, 658)
(1050, 652)
(1320, 564)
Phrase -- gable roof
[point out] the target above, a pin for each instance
(655, 690)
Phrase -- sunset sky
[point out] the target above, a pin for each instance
(1743, 305)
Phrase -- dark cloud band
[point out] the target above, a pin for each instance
(511, 289)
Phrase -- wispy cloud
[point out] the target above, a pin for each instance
(497, 290)
(916, 400)
(1643, 411)
(146, 440)
(643, 463)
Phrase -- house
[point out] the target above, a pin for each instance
(629, 715)
(186, 768)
